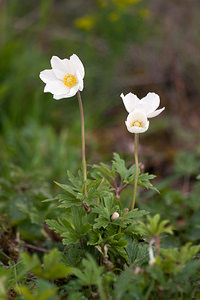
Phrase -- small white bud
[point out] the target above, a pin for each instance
(115, 216)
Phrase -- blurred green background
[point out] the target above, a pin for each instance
(125, 45)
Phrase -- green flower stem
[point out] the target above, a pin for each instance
(136, 171)
(83, 143)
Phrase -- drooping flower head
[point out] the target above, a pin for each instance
(137, 122)
(140, 110)
(65, 78)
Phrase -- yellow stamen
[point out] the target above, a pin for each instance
(137, 124)
(69, 80)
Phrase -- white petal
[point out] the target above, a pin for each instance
(59, 74)
(149, 103)
(69, 67)
(137, 116)
(57, 63)
(138, 129)
(130, 101)
(80, 81)
(73, 91)
(80, 85)
(47, 76)
(77, 65)
(155, 113)
(58, 97)
(62, 64)
(56, 88)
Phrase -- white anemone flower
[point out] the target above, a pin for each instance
(65, 78)
(148, 104)
(137, 122)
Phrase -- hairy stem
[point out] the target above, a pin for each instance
(83, 143)
(136, 171)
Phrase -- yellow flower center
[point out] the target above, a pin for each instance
(69, 80)
(137, 124)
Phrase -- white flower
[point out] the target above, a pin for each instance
(137, 122)
(115, 216)
(65, 78)
(148, 104)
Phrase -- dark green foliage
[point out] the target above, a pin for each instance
(87, 220)
(100, 257)
(72, 227)
(23, 194)
(52, 267)
(137, 253)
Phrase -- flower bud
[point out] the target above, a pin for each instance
(115, 216)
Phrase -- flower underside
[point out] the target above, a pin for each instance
(69, 80)
(137, 124)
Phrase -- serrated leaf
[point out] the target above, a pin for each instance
(67, 201)
(67, 188)
(122, 281)
(106, 170)
(101, 222)
(137, 252)
(135, 214)
(106, 208)
(91, 275)
(73, 253)
(143, 180)
(52, 268)
(75, 181)
(131, 216)
(119, 166)
(94, 238)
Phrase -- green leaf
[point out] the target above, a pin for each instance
(67, 188)
(91, 275)
(101, 222)
(73, 253)
(43, 291)
(119, 166)
(67, 201)
(53, 267)
(131, 216)
(106, 208)
(72, 227)
(106, 170)
(155, 227)
(94, 238)
(63, 227)
(138, 254)
(122, 281)
(143, 180)
(77, 182)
